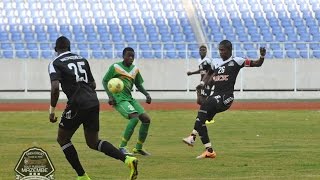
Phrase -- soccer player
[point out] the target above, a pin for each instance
(125, 104)
(224, 73)
(73, 73)
(204, 64)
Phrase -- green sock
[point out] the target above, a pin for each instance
(128, 131)
(143, 132)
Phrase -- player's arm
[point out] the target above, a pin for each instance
(91, 80)
(55, 76)
(193, 72)
(207, 78)
(138, 83)
(259, 62)
(55, 92)
(109, 75)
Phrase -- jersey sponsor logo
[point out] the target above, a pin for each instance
(221, 78)
(34, 163)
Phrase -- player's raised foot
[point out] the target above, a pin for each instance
(132, 163)
(210, 121)
(141, 152)
(125, 151)
(84, 177)
(189, 140)
(207, 154)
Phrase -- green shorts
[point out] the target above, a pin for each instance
(128, 107)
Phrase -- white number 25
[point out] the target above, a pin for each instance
(78, 68)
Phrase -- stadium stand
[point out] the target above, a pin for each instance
(159, 28)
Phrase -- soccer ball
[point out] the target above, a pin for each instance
(115, 85)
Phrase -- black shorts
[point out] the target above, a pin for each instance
(216, 103)
(72, 118)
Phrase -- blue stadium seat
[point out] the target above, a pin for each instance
(278, 54)
(6, 46)
(84, 54)
(316, 54)
(304, 54)
(97, 54)
(42, 37)
(146, 54)
(170, 54)
(7, 54)
(4, 36)
(19, 46)
(252, 54)
(15, 36)
(21, 54)
(237, 53)
(292, 54)
(34, 54)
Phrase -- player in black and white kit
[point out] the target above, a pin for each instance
(223, 75)
(73, 73)
(204, 64)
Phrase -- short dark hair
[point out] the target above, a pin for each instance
(127, 49)
(203, 46)
(62, 43)
(226, 43)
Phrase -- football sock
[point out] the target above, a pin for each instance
(108, 149)
(201, 127)
(210, 150)
(72, 156)
(129, 131)
(208, 147)
(143, 132)
(194, 132)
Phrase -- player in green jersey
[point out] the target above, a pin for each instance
(125, 104)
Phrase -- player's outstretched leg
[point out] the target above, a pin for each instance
(132, 163)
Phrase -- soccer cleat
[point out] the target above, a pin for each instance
(141, 152)
(189, 140)
(210, 121)
(132, 163)
(207, 154)
(84, 177)
(125, 151)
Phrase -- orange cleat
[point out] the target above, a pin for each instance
(207, 154)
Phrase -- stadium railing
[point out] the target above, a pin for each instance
(276, 50)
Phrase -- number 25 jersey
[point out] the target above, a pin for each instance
(74, 74)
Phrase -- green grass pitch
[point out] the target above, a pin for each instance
(249, 145)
